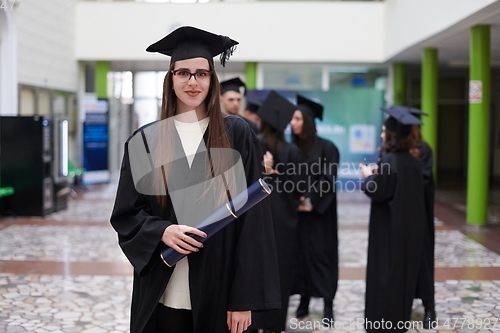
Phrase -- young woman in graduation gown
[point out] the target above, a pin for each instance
(396, 231)
(317, 266)
(217, 286)
(281, 160)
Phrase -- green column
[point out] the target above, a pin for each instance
(399, 83)
(251, 75)
(430, 101)
(101, 78)
(479, 113)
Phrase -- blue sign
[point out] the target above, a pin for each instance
(352, 120)
(95, 142)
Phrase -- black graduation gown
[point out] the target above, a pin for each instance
(285, 219)
(395, 242)
(236, 270)
(252, 125)
(317, 267)
(425, 285)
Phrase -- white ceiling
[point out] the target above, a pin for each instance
(453, 43)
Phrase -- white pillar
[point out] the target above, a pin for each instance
(8, 63)
(325, 78)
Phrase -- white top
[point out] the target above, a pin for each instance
(191, 135)
(176, 295)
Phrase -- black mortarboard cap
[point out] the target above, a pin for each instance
(190, 42)
(400, 121)
(400, 108)
(276, 110)
(253, 104)
(232, 85)
(310, 107)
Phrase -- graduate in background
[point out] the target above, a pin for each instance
(397, 226)
(423, 153)
(317, 271)
(281, 163)
(216, 287)
(231, 99)
(231, 96)
(250, 112)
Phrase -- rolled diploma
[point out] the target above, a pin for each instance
(226, 214)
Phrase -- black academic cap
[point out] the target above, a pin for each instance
(402, 116)
(276, 111)
(310, 107)
(190, 42)
(400, 121)
(253, 104)
(232, 85)
(411, 110)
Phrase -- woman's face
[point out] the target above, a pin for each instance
(297, 122)
(382, 135)
(191, 93)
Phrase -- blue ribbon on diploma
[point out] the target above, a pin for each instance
(245, 200)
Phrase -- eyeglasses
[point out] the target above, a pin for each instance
(184, 76)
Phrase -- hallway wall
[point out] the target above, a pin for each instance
(267, 30)
(46, 44)
(453, 113)
(495, 119)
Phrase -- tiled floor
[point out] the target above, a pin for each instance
(458, 199)
(66, 273)
(60, 243)
(453, 249)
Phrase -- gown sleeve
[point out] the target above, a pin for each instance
(295, 177)
(139, 231)
(255, 285)
(325, 196)
(380, 187)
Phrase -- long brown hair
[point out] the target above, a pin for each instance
(217, 135)
(307, 138)
(417, 136)
(393, 142)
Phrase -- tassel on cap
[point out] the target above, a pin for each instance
(229, 47)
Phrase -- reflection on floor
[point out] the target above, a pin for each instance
(66, 273)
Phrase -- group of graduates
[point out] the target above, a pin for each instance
(304, 219)
(242, 277)
(401, 242)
